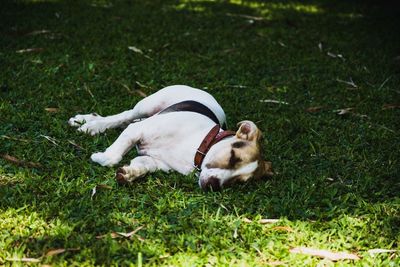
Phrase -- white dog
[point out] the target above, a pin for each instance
(180, 128)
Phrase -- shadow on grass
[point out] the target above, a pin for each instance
(328, 166)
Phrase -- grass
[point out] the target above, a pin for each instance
(337, 184)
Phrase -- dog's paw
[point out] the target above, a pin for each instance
(93, 127)
(122, 176)
(127, 174)
(105, 159)
(79, 119)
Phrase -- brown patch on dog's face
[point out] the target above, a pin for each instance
(233, 155)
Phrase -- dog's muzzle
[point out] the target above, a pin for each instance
(211, 183)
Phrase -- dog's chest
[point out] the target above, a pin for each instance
(174, 138)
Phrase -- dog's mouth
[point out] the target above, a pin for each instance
(210, 184)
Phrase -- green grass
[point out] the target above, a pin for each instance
(338, 181)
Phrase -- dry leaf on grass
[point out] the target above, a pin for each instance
(349, 111)
(137, 91)
(266, 221)
(104, 186)
(23, 259)
(15, 139)
(350, 82)
(381, 250)
(274, 263)
(245, 16)
(234, 86)
(336, 55)
(390, 106)
(121, 234)
(164, 256)
(343, 111)
(274, 101)
(19, 162)
(52, 110)
(141, 85)
(139, 51)
(261, 221)
(30, 50)
(55, 252)
(135, 49)
(281, 44)
(247, 220)
(140, 92)
(38, 32)
(50, 139)
(325, 254)
(282, 228)
(76, 145)
(314, 109)
(94, 189)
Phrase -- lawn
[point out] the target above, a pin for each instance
(331, 69)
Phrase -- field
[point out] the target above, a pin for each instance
(320, 78)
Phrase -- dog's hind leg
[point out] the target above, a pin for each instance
(139, 167)
(94, 123)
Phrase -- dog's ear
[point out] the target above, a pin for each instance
(248, 131)
(264, 170)
(268, 172)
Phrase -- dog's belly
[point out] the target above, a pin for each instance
(174, 138)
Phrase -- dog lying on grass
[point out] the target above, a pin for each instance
(183, 129)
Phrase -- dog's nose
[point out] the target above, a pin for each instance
(211, 183)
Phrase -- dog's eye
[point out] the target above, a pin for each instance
(233, 160)
(238, 144)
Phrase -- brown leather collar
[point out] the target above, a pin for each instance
(213, 137)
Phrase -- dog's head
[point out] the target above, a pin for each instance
(235, 159)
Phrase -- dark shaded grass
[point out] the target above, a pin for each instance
(338, 176)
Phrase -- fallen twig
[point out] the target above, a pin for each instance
(15, 139)
(236, 86)
(390, 106)
(326, 254)
(384, 82)
(38, 32)
(245, 16)
(135, 91)
(336, 56)
(121, 234)
(139, 51)
(30, 50)
(351, 82)
(52, 110)
(23, 259)
(76, 145)
(314, 109)
(274, 101)
(19, 162)
(50, 139)
(261, 221)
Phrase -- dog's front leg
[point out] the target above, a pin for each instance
(139, 167)
(114, 153)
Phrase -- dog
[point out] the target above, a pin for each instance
(180, 128)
